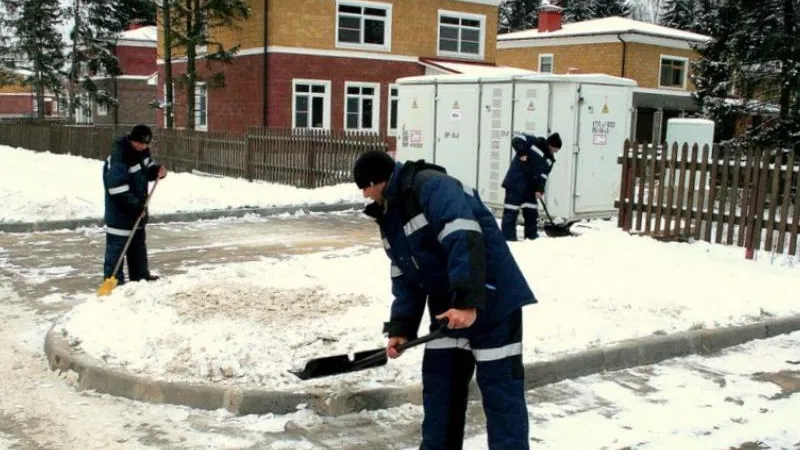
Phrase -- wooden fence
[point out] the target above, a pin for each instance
(732, 195)
(298, 157)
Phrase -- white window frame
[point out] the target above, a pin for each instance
(102, 109)
(460, 15)
(389, 116)
(387, 28)
(200, 90)
(376, 105)
(326, 96)
(542, 56)
(682, 59)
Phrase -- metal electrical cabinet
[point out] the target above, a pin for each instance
(465, 124)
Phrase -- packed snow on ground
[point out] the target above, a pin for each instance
(249, 323)
(41, 186)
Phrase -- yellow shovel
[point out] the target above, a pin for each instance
(111, 282)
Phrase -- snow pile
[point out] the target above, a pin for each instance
(249, 323)
(40, 186)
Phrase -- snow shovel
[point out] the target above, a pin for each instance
(552, 229)
(111, 282)
(338, 364)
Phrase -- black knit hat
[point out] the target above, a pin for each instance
(372, 167)
(141, 133)
(554, 140)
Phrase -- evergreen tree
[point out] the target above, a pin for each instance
(680, 14)
(141, 12)
(193, 25)
(608, 8)
(94, 35)
(577, 10)
(36, 38)
(518, 15)
(751, 67)
(645, 10)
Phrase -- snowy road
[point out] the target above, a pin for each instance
(747, 398)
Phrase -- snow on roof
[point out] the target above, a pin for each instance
(147, 34)
(607, 25)
(588, 78)
(476, 69)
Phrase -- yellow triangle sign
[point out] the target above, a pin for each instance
(455, 105)
(605, 108)
(414, 104)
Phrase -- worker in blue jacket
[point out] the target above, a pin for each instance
(126, 176)
(525, 181)
(446, 250)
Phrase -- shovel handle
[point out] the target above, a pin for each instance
(381, 356)
(423, 339)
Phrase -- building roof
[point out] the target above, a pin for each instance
(607, 25)
(534, 77)
(139, 37)
(472, 69)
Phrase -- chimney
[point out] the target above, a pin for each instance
(549, 17)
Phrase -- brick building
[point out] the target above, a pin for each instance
(657, 57)
(134, 88)
(330, 64)
(19, 99)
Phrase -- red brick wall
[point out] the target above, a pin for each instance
(285, 67)
(15, 105)
(238, 105)
(137, 60)
(233, 107)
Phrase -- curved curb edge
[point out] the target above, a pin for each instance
(189, 216)
(93, 374)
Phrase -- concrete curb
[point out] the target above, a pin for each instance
(29, 227)
(93, 374)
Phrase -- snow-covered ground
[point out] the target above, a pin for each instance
(41, 187)
(249, 323)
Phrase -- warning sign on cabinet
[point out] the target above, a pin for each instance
(531, 107)
(600, 130)
(605, 108)
(455, 113)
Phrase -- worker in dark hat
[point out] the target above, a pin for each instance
(447, 251)
(127, 173)
(525, 182)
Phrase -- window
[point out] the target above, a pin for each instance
(673, 72)
(461, 35)
(364, 24)
(201, 107)
(393, 102)
(102, 107)
(361, 106)
(311, 107)
(546, 63)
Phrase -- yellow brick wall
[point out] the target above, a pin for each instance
(587, 58)
(642, 62)
(312, 24)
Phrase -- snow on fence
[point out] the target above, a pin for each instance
(300, 157)
(732, 195)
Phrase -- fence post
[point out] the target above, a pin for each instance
(248, 156)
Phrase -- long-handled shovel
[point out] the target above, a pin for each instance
(111, 282)
(338, 364)
(552, 229)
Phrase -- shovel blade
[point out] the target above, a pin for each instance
(338, 364)
(554, 230)
(108, 285)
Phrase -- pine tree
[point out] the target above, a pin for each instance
(679, 14)
(193, 25)
(608, 8)
(518, 15)
(645, 10)
(751, 67)
(36, 38)
(577, 10)
(97, 25)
